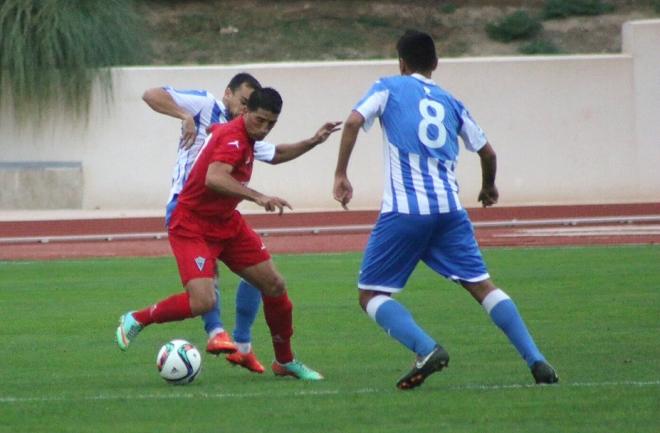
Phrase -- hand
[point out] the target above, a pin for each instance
(326, 130)
(188, 132)
(343, 190)
(488, 196)
(272, 203)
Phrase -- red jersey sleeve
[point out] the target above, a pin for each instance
(230, 149)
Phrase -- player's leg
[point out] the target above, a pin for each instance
(456, 255)
(248, 301)
(278, 311)
(219, 340)
(504, 313)
(246, 255)
(198, 298)
(393, 250)
(197, 267)
(212, 320)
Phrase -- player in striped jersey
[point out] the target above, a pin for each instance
(198, 109)
(421, 216)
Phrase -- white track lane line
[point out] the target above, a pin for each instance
(618, 230)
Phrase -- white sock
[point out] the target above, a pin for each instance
(215, 332)
(244, 348)
(493, 298)
(374, 304)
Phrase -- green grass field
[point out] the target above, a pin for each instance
(594, 312)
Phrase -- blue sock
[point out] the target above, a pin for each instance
(399, 324)
(505, 315)
(211, 318)
(248, 301)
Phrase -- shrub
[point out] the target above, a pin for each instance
(518, 25)
(566, 8)
(539, 46)
(656, 6)
(448, 8)
(51, 52)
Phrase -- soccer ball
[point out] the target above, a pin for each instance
(178, 362)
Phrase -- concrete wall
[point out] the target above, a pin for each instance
(41, 185)
(567, 129)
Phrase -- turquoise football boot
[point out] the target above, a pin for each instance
(295, 369)
(127, 330)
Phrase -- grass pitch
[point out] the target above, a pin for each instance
(593, 311)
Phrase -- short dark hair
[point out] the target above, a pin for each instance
(243, 78)
(417, 49)
(267, 98)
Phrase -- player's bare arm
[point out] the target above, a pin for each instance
(343, 190)
(488, 195)
(159, 100)
(287, 152)
(220, 180)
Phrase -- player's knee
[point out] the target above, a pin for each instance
(480, 289)
(201, 303)
(364, 296)
(276, 286)
(202, 296)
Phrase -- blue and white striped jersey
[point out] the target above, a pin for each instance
(421, 123)
(205, 110)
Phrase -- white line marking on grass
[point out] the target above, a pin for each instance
(306, 393)
(628, 383)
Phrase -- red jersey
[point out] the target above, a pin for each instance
(228, 143)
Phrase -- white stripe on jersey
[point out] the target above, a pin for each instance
(418, 184)
(183, 168)
(472, 135)
(372, 107)
(397, 181)
(388, 203)
(443, 183)
(451, 178)
(419, 178)
(438, 187)
(201, 149)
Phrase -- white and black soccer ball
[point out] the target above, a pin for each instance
(179, 362)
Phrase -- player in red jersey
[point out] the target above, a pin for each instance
(206, 226)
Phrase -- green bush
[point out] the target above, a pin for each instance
(567, 8)
(539, 46)
(51, 52)
(518, 25)
(448, 8)
(656, 6)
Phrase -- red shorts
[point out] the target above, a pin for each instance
(197, 243)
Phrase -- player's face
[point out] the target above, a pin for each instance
(259, 123)
(236, 101)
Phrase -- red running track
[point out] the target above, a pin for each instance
(505, 234)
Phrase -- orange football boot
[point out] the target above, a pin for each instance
(221, 343)
(246, 360)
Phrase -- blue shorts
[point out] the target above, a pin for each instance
(445, 242)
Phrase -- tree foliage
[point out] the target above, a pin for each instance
(53, 51)
(515, 26)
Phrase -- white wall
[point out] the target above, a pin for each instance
(567, 129)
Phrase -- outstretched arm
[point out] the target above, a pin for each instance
(287, 152)
(220, 180)
(159, 100)
(488, 195)
(343, 190)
